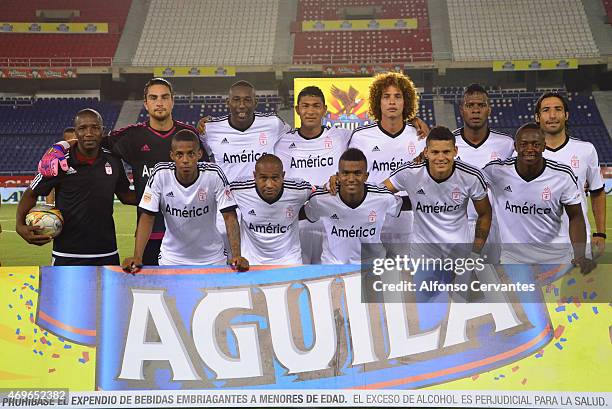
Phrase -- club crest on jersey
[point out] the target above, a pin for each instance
(494, 156)
(411, 148)
(145, 148)
(372, 217)
(289, 212)
(456, 195)
(228, 192)
(575, 162)
(108, 169)
(263, 139)
(327, 142)
(546, 193)
(202, 195)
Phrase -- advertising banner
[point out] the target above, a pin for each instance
(38, 73)
(295, 336)
(535, 65)
(373, 24)
(346, 99)
(220, 71)
(53, 28)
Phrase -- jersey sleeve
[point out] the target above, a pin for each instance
(42, 186)
(570, 194)
(151, 197)
(117, 142)
(223, 193)
(400, 179)
(593, 175)
(312, 208)
(394, 207)
(123, 184)
(477, 189)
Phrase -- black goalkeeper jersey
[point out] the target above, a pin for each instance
(142, 147)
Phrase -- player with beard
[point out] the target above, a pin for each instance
(391, 141)
(552, 115)
(142, 146)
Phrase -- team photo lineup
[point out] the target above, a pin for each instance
(245, 189)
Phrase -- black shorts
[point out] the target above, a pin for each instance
(74, 261)
(150, 257)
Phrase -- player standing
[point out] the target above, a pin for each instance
(391, 141)
(477, 145)
(531, 194)
(269, 207)
(188, 195)
(84, 195)
(552, 115)
(142, 145)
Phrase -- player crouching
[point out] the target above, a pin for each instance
(188, 194)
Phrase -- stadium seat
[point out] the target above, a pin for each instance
(192, 34)
(482, 30)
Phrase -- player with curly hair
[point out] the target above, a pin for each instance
(391, 141)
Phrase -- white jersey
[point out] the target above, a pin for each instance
(581, 156)
(346, 227)
(237, 151)
(316, 159)
(529, 212)
(496, 145)
(189, 212)
(269, 232)
(440, 207)
(386, 152)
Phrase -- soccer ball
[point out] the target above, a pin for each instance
(47, 217)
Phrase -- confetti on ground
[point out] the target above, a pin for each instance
(51, 370)
(55, 356)
(18, 317)
(21, 337)
(502, 376)
(516, 368)
(559, 331)
(32, 277)
(595, 310)
(563, 339)
(590, 280)
(66, 346)
(17, 331)
(592, 295)
(569, 318)
(585, 295)
(10, 305)
(575, 316)
(558, 345)
(571, 281)
(43, 340)
(524, 381)
(560, 309)
(86, 356)
(556, 292)
(474, 377)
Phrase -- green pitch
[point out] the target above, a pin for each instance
(14, 251)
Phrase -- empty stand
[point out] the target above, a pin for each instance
(28, 127)
(362, 47)
(213, 32)
(485, 30)
(330, 9)
(62, 50)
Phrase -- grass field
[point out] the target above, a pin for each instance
(14, 251)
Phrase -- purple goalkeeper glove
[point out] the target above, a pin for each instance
(54, 159)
